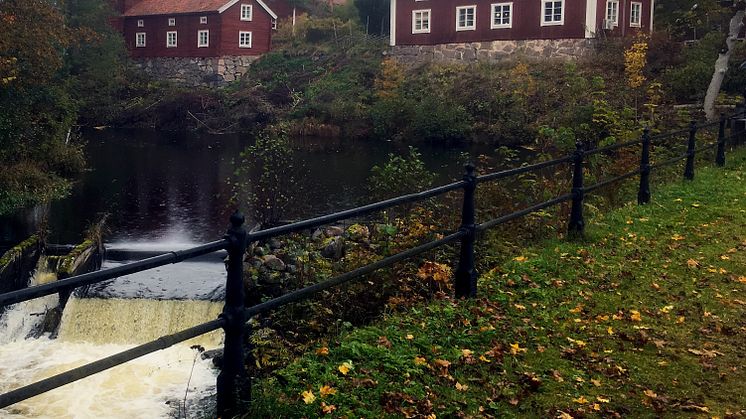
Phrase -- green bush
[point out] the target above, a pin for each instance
(400, 175)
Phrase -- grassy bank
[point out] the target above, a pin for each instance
(642, 318)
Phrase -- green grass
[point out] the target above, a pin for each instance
(645, 317)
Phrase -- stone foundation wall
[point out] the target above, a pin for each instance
(208, 71)
(494, 50)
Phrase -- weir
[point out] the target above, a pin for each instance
(175, 382)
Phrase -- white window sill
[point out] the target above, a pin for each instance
(552, 23)
(420, 31)
(468, 28)
(501, 26)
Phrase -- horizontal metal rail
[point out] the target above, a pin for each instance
(106, 274)
(669, 134)
(521, 213)
(705, 147)
(353, 212)
(349, 276)
(67, 377)
(83, 371)
(612, 147)
(668, 162)
(523, 169)
(589, 189)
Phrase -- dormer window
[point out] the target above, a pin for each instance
(140, 23)
(172, 21)
(246, 12)
(203, 20)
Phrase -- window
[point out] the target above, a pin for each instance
(466, 18)
(172, 21)
(244, 39)
(421, 21)
(203, 20)
(554, 12)
(612, 11)
(140, 39)
(203, 39)
(502, 15)
(274, 24)
(245, 12)
(635, 16)
(171, 39)
(140, 23)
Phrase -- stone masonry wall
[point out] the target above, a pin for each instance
(494, 50)
(208, 71)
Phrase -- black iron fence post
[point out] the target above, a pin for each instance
(689, 169)
(466, 273)
(720, 157)
(233, 385)
(643, 194)
(577, 224)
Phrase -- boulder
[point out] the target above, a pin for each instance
(334, 231)
(273, 263)
(334, 248)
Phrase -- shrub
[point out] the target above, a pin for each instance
(400, 175)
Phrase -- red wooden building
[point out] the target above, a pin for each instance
(433, 22)
(196, 28)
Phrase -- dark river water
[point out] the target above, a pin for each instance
(169, 191)
(173, 187)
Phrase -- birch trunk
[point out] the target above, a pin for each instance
(721, 65)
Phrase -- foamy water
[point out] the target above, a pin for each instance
(167, 383)
(21, 319)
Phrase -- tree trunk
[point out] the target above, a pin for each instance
(721, 65)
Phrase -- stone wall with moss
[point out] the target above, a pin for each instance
(18, 264)
(492, 51)
(207, 71)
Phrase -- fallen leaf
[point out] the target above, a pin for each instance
(410, 337)
(596, 383)
(384, 341)
(677, 237)
(520, 258)
(345, 367)
(308, 396)
(635, 316)
(580, 400)
(418, 360)
(323, 351)
(466, 353)
(326, 390)
(515, 349)
(327, 408)
(461, 387)
(650, 393)
(602, 400)
(692, 263)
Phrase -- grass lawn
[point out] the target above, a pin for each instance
(645, 317)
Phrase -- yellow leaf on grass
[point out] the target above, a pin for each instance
(323, 351)
(308, 396)
(461, 387)
(580, 400)
(725, 257)
(515, 349)
(681, 319)
(650, 393)
(520, 258)
(563, 415)
(519, 306)
(596, 407)
(610, 330)
(326, 390)
(602, 400)
(635, 316)
(666, 309)
(596, 383)
(692, 263)
(484, 359)
(345, 367)
(577, 309)
(677, 237)
(466, 353)
(410, 337)
(442, 363)
(419, 360)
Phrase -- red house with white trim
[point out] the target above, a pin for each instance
(196, 28)
(435, 22)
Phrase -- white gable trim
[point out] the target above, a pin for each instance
(228, 5)
(392, 23)
(652, 13)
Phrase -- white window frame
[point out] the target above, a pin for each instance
(172, 21)
(612, 5)
(247, 16)
(422, 29)
(473, 25)
(139, 44)
(501, 25)
(552, 22)
(203, 20)
(632, 23)
(168, 39)
(140, 23)
(251, 39)
(200, 44)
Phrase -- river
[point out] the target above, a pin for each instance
(164, 191)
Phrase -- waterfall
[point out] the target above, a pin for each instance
(23, 319)
(171, 383)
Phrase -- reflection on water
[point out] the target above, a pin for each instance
(173, 186)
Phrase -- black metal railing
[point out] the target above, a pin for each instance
(233, 383)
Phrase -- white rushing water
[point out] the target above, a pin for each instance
(164, 384)
(20, 320)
